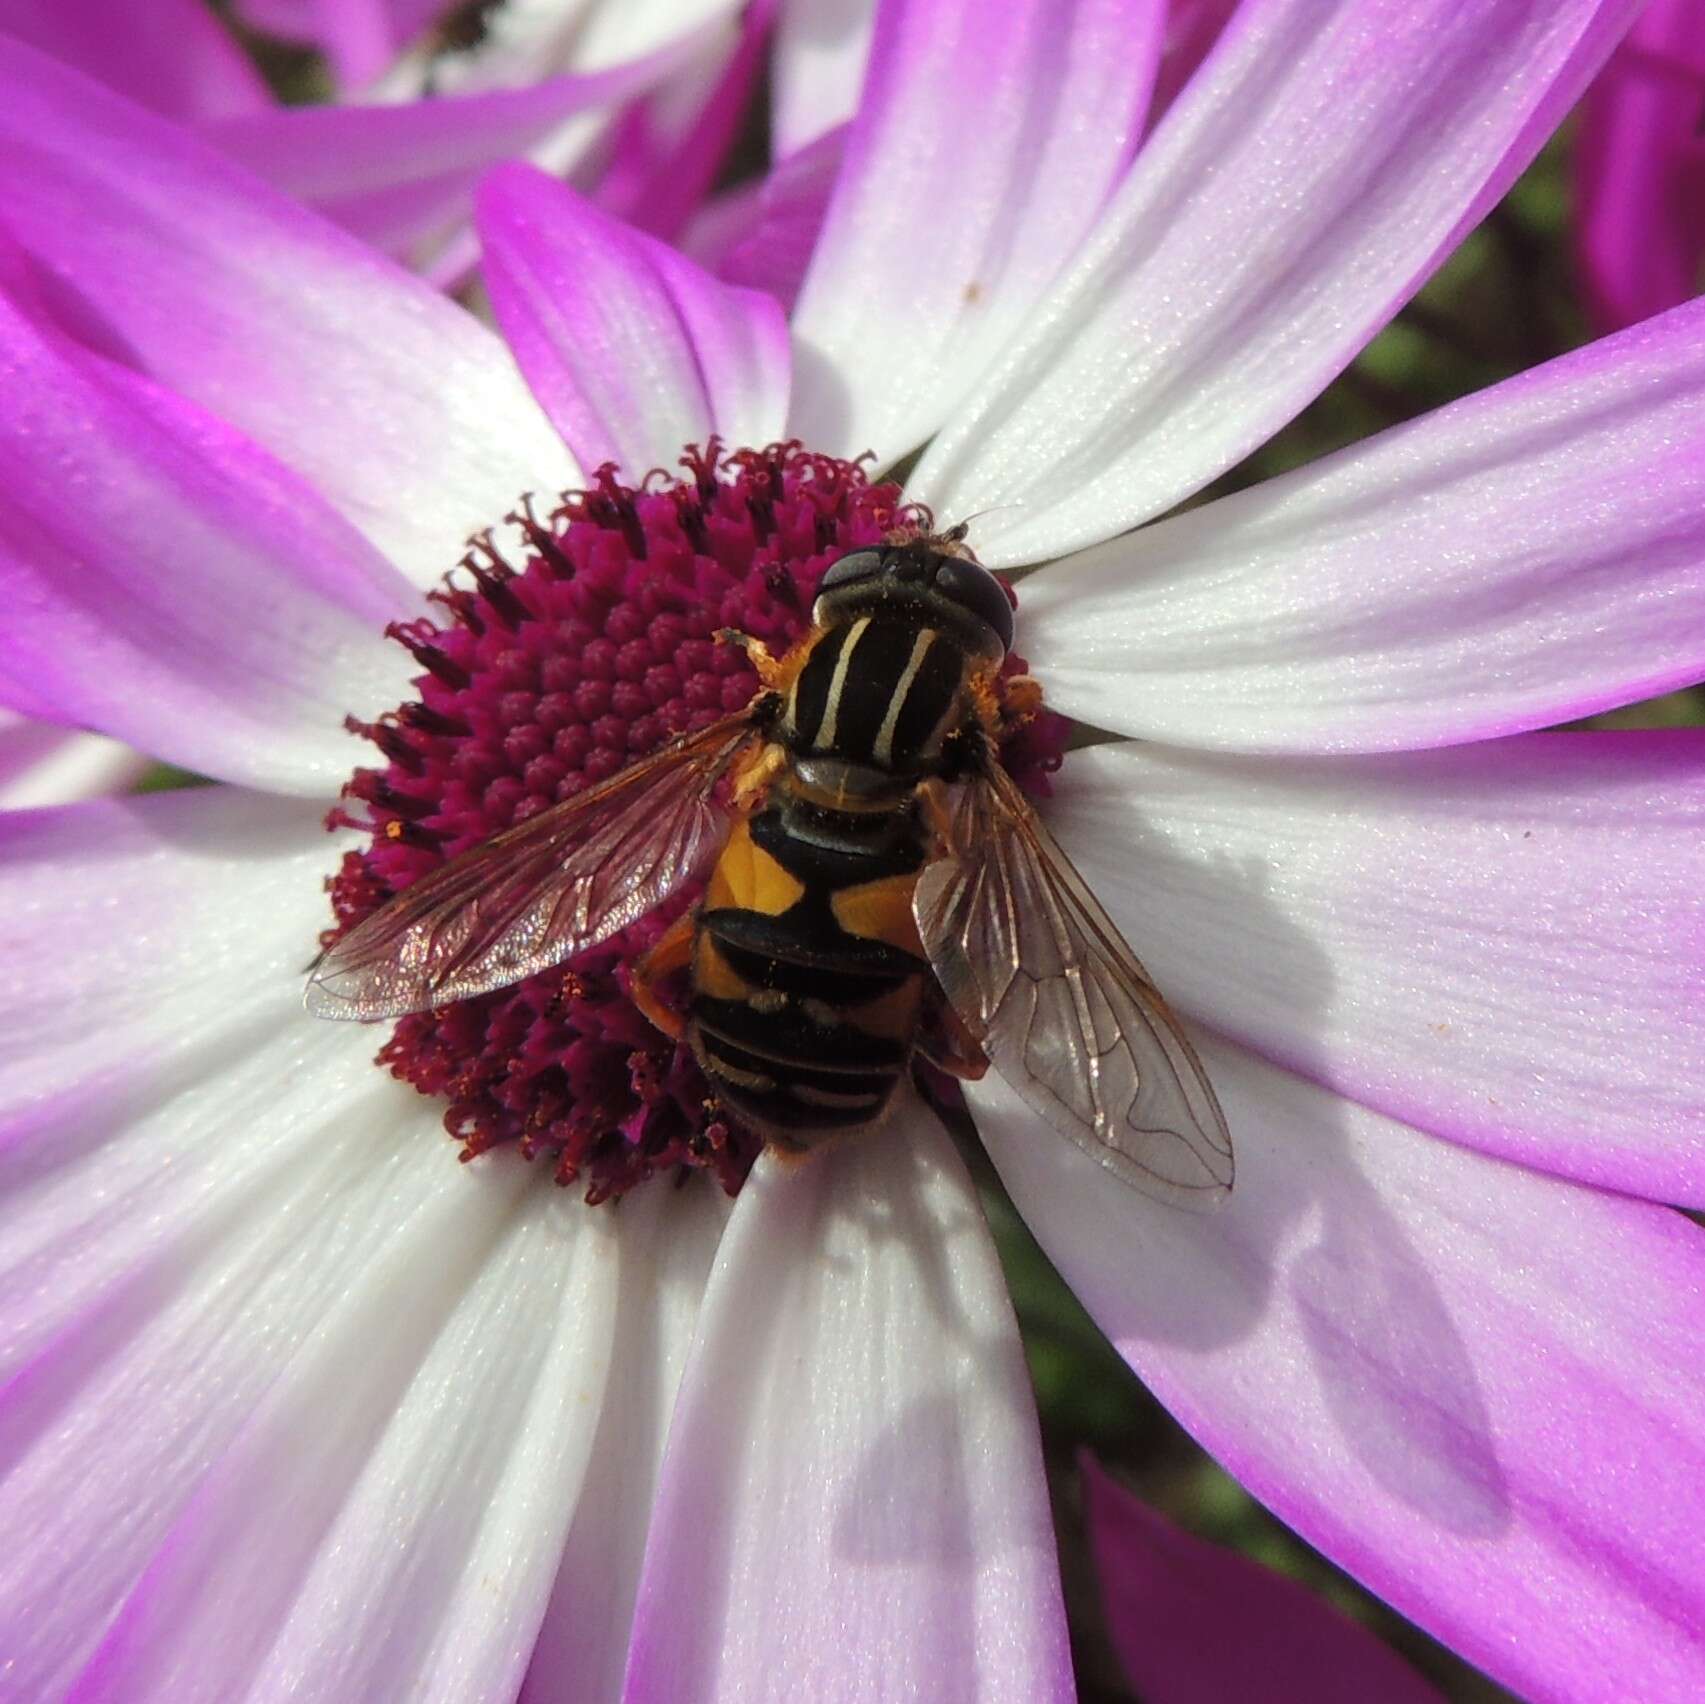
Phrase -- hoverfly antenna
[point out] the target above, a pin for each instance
(964, 526)
(961, 530)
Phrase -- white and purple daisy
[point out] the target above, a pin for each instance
(297, 1406)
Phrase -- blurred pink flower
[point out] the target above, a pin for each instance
(298, 1407)
(635, 101)
(1194, 1623)
(1640, 169)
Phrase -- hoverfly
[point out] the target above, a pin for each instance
(878, 887)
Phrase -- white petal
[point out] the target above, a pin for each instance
(388, 1520)
(852, 1506)
(143, 1334)
(631, 348)
(1522, 557)
(193, 1173)
(817, 69)
(982, 152)
(44, 765)
(1312, 173)
(526, 40)
(132, 928)
(1477, 1388)
(1498, 943)
(668, 1240)
(397, 405)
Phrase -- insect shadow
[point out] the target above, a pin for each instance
(1306, 1233)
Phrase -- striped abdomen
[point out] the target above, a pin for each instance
(808, 976)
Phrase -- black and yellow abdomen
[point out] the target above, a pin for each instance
(809, 981)
(808, 977)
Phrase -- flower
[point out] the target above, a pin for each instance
(1640, 169)
(407, 46)
(540, 681)
(1194, 1623)
(637, 104)
(297, 1405)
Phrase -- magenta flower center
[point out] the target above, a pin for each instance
(581, 649)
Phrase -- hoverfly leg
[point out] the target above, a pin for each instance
(756, 773)
(936, 809)
(758, 654)
(671, 952)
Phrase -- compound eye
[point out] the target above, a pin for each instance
(973, 587)
(857, 565)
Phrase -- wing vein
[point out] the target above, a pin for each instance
(1034, 966)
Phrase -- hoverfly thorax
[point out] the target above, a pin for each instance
(903, 630)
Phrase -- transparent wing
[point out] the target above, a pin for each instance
(1065, 1012)
(539, 892)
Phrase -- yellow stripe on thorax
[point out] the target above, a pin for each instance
(884, 751)
(832, 709)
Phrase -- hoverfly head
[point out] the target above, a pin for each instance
(935, 571)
